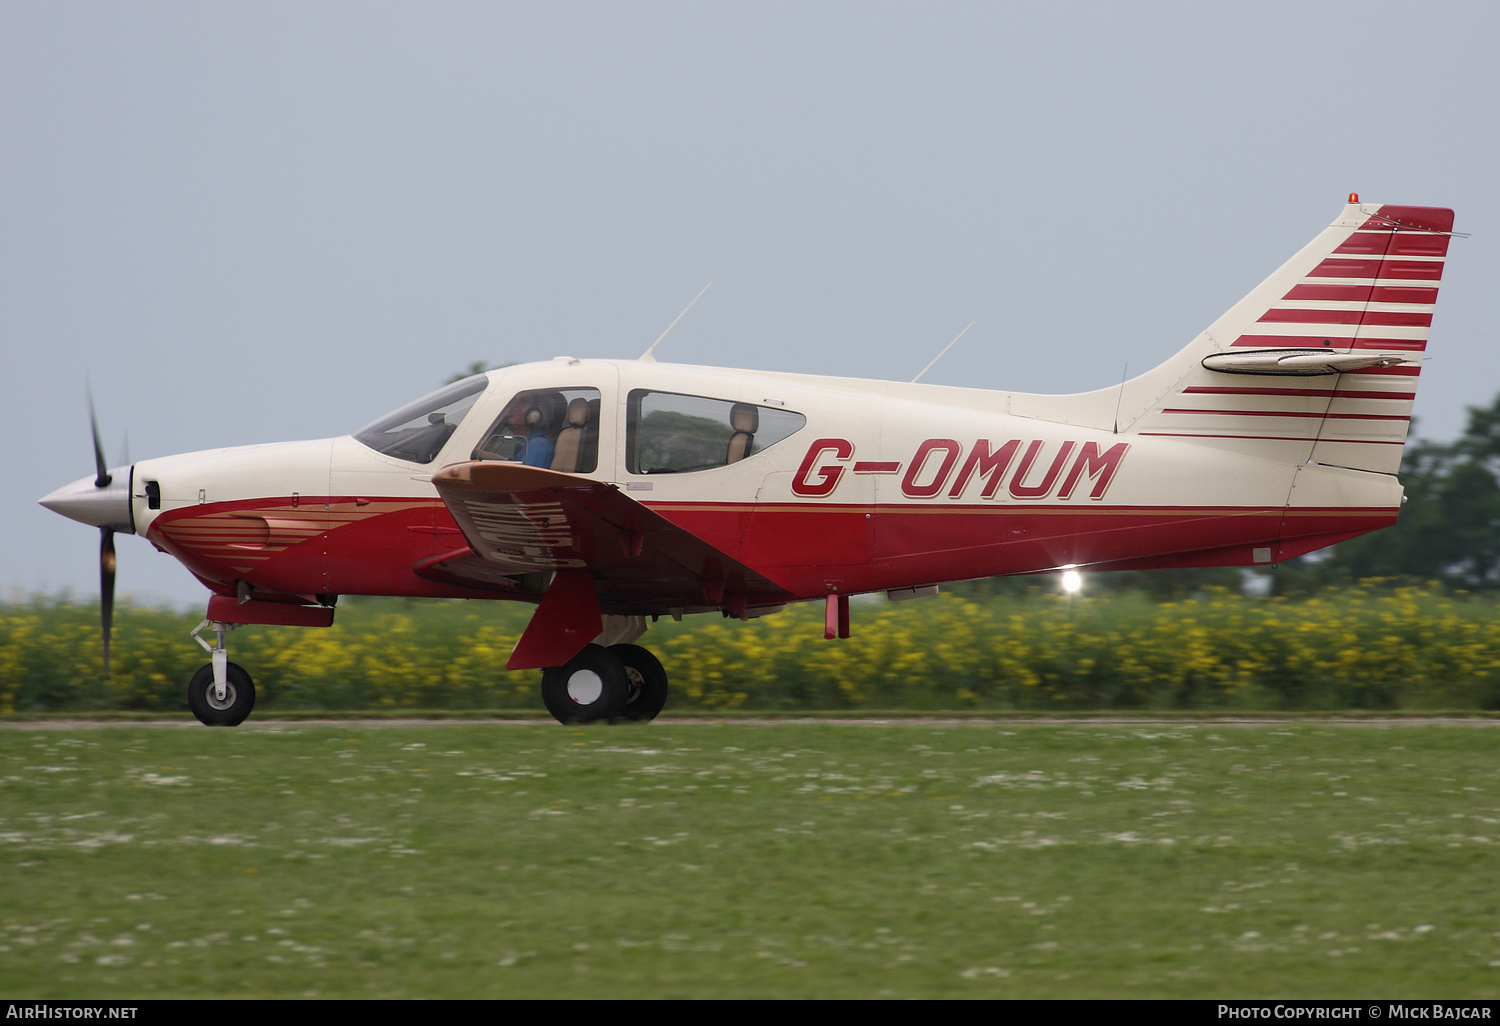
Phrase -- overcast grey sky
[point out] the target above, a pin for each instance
(265, 221)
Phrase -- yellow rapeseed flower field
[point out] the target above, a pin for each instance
(1370, 647)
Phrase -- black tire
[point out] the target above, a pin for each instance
(239, 696)
(591, 686)
(648, 683)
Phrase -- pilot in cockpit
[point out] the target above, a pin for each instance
(529, 426)
(522, 434)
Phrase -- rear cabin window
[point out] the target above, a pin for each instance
(670, 433)
(555, 429)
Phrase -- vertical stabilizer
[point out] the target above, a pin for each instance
(1320, 362)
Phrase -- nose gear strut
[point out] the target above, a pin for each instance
(221, 694)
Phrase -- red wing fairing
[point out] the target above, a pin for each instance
(524, 520)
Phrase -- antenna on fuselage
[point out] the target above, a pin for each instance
(1124, 373)
(646, 357)
(939, 356)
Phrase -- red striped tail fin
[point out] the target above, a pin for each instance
(1320, 362)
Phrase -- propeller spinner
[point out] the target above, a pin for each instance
(102, 501)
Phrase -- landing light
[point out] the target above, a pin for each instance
(1072, 580)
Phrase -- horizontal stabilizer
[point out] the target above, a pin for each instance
(1302, 362)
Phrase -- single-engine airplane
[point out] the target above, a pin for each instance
(607, 492)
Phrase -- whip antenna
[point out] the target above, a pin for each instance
(646, 357)
(939, 356)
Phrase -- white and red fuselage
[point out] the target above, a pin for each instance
(887, 486)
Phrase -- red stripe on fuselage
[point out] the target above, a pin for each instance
(906, 543)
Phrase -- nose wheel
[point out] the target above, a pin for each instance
(221, 693)
(226, 707)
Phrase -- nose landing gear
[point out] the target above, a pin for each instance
(221, 693)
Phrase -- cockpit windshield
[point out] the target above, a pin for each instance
(417, 431)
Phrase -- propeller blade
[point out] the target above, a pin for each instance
(106, 586)
(102, 478)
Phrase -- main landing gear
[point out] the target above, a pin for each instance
(620, 683)
(221, 693)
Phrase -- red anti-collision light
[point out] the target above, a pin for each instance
(1354, 197)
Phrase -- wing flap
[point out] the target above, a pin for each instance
(525, 520)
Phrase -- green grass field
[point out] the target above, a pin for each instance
(987, 859)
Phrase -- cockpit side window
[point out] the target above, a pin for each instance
(418, 431)
(554, 429)
(670, 433)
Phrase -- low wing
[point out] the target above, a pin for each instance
(522, 520)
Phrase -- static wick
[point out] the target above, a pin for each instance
(1124, 373)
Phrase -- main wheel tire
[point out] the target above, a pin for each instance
(589, 687)
(239, 696)
(648, 683)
